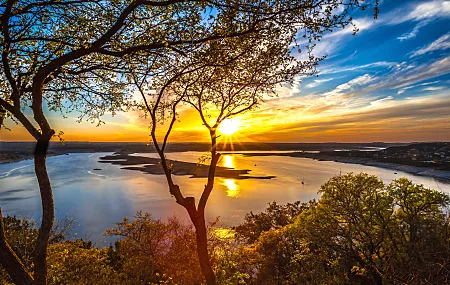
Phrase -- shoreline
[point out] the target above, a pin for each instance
(11, 158)
(441, 175)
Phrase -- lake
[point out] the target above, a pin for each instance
(99, 198)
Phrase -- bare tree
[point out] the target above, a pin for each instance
(225, 78)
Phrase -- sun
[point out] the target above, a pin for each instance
(229, 127)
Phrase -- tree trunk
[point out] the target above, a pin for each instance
(202, 248)
(40, 264)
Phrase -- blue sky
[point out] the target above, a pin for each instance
(389, 82)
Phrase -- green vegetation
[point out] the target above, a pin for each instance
(359, 232)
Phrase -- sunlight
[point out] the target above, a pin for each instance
(228, 161)
(224, 233)
(229, 127)
(233, 189)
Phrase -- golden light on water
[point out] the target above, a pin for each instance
(228, 161)
(232, 188)
(229, 127)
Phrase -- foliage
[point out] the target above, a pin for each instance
(362, 232)
(22, 234)
(274, 217)
(157, 252)
(77, 262)
(151, 251)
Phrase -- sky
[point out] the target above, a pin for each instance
(390, 82)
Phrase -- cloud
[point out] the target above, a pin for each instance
(380, 101)
(433, 88)
(363, 24)
(402, 90)
(286, 90)
(414, 32)
(332, 70)
(441, 43)
(428, 10)
(358, 81)
(402, 78)
(317, 82)
(333, 41)
(421, 118)
(418, 11)
(406, 74)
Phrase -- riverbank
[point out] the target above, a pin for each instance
(417, 170)
(16, 157)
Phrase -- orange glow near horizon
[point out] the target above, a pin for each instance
(279, 120)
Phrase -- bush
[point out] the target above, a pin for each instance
(77, 262)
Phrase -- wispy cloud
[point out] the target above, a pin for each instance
(380, 101)
(317, 82)
(420, 73)
(337, 69)
(358, 81)
(402, 90)
(441, 43)
(414, 32)
(419, 11)
(433, 88)
(428, 10)
(421, 118)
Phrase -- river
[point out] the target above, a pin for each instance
(99, 198)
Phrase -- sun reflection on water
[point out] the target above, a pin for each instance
(228, 161)
(231, 186)
(233, 189)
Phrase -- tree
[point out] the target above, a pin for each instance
(226, 77)
(360, 231)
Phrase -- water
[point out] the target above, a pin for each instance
(100, 198)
